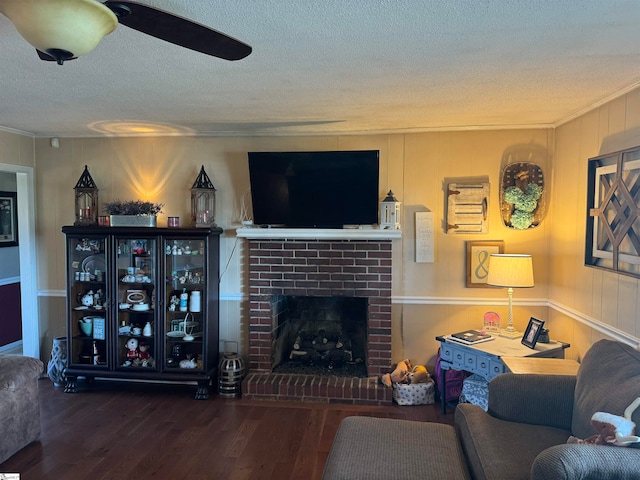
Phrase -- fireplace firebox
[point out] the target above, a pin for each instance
(353, 274)
(319, 335)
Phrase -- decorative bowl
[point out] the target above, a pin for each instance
(85, 327)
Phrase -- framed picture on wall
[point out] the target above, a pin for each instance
(478, 254)
(8, 219)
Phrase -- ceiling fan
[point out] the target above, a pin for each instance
(62, 30)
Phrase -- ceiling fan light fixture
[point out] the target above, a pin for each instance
(63, 29)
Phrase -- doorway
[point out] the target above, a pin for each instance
(27, 251)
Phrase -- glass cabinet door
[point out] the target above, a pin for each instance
(185, 304)
(136, 303)
(88, 295)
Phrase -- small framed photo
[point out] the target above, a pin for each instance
(8, 219)
(533, 331)
(478, 254)
(144, 263)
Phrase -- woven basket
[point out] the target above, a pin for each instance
(416, 394)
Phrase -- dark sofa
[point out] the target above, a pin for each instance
(522, 436)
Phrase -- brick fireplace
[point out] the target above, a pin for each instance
(359, 266)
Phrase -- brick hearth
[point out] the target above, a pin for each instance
(325, 268)
(314, 388)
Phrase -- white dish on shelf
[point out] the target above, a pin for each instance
(175, 334)
(192, 337)
(140, 307)
(92, 263)
(83, 307)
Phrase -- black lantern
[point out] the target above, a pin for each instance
(203, 201)
(86, 200)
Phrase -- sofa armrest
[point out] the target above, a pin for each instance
(534, 399)
(586, 462)
(16, 370)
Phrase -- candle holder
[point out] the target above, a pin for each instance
(203, 201)
(390, 212)
(86, 204)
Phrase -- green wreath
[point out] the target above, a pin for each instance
(525, 203)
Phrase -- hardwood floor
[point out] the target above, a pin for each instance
(143, 431)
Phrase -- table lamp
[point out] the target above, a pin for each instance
(510, 271)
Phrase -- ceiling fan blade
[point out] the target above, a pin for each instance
(44, 56)
(48, 58)
(178, 30)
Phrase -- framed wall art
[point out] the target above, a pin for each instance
(613, 212)
(8, 219)
(468, 208)
(478, 254)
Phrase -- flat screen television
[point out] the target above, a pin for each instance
(314, 189)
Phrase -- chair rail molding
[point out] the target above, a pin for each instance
(591, 322)
(528, 302)
(9, 281)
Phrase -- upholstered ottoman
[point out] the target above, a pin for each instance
(19, 407)
(368, 448)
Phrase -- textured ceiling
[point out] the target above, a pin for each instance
(335, 66)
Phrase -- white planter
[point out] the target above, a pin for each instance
(133, 220)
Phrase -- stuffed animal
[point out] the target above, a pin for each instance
(132, 352)
(398, 375)
(419, 374)
(404, 373)
(612, 429)
(146, 360)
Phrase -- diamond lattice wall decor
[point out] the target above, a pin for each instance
(613, 212)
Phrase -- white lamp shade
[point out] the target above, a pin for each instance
(72, 25)
(510, 270)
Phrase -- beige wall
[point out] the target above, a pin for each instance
(16, 149)
(578, 292)
(415, 166)
(429, 299)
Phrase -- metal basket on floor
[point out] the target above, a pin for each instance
(231, 371)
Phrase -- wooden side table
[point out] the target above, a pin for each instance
(546, 366)
(485, 359)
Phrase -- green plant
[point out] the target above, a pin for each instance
(132, 207)
(525, 203)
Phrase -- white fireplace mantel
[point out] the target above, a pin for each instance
(318, 233)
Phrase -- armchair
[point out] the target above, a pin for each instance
(19, 407)
(523, 434)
